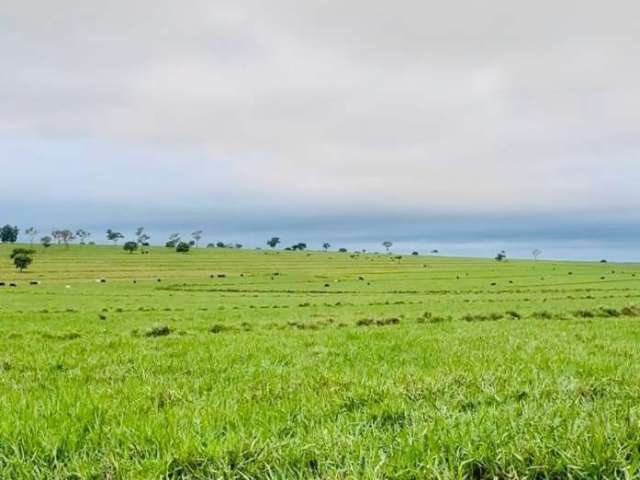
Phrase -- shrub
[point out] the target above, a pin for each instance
(218, 328)
(22, 261)
(158, 331)
(130, 247)
(21, 251)
(183, 247)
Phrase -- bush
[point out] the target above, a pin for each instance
(219, 328)
(22, 261)
(183, 247)
(130, 247)
(22, 251)
(158, 331)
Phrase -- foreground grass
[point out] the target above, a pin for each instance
(322, 365)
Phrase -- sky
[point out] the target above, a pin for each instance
(452, 124)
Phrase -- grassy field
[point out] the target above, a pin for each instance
(254, 364)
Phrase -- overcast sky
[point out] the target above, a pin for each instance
(244, 113)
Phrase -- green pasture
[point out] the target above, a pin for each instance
(227, 363)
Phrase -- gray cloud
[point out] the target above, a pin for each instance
(465, 108)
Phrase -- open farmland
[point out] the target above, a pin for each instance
(261, 364)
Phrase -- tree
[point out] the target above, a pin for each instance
(273, 242)
(22, 261)
(114, 236)
(501, 256)
(22, 257)
(82, 235)
(46, 241)
(536, 253)
(63, 236)
(174, 239)
(31, 232)
(9, 234)
(183, 247)
(415, 254)
(326, 246)
(142, 238)
(342, 250)
(387, 244)
(197, 235)
(21, 251)
(56, 235)
(130, 246)
(435, 252)
(299, 246)
(67, 236)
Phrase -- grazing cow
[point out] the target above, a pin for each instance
(2, 284)
(34, 282)
(13, 285)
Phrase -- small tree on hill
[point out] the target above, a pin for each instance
(67, 237)
(114, 236)
(173, 241)
(197, 236)
(501, 256)
(22, 257)
(63, 236)
(273, 242)
(46, 241)
(21, 251)
(183, 247)
(22, 261)
(9, 234)
(387, 244)
(130, 247)
(32, 233)
(83, 235)
(326, 246)
(142, 238)
(536, 253)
